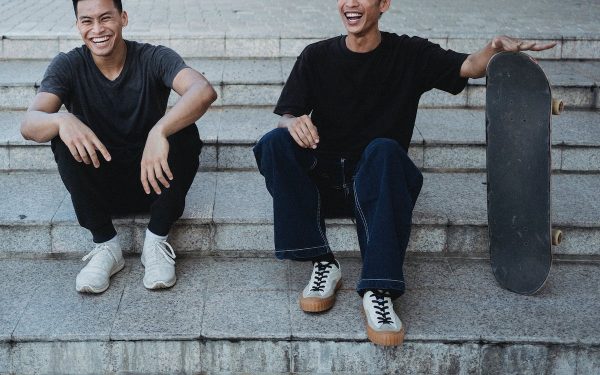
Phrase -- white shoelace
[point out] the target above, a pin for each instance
(163, 248)
(98, 249)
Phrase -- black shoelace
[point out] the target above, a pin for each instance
(322, 270)
(382, 307)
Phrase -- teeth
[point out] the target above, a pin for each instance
(100, 40)
(353, 15)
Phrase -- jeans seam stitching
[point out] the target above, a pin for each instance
(305, 248)
(398, 281)
(362, 216)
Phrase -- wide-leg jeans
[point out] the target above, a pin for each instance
(379, 190)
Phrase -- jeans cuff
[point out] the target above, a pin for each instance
(397, 286)
(304, 254)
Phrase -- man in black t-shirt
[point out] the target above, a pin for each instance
(116, 149)
(348, 112)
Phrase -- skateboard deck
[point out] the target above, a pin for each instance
(518, 112)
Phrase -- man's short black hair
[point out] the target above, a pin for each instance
(117, 3)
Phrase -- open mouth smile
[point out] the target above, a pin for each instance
(100, 41)
(353, 17)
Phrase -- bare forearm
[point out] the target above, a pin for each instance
(476, 64)
(40, 126)
(190, 107)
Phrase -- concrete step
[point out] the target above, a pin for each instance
(255, 82)
(230, 214)
(24, 47)
(443, 140)
(458, 321)
(272, 28)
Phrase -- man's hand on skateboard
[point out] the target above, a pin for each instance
(475, 65)
(506, 43)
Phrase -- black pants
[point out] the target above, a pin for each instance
(115, 188)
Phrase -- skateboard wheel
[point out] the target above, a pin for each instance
(557, 237)
(557, 106)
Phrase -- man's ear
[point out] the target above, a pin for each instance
(384, 5)
(124, 18)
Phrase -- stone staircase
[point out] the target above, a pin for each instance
(234, 309)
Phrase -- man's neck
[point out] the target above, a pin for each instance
(112, 65)
(363, 43)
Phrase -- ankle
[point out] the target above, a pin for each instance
(391, 293)
(328, 257)
(155, 237)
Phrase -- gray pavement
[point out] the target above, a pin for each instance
(275, 28)
(448, 302)
(316, 18)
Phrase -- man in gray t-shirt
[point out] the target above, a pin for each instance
(116, 148)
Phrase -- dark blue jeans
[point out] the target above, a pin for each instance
(379, 190)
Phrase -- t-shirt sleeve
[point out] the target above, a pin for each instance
(166, 64)
(57, 79)
(440, 68)
(295, 96)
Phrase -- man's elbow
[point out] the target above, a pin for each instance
(209, 93)
(26, 130)
(32, 133)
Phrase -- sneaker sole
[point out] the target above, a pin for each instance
(385, 338)
(315, 304)
(91, 289)
(161, 284)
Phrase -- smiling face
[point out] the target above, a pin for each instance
(361, 17)
(101, 26)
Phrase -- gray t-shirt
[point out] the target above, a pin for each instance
(120, 112)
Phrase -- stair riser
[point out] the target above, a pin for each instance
(221, 47)
(299, 357)
(222, 157)
(256, 240)
(19, 97)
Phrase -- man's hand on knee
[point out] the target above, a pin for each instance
(154, 163)
(81, 140)
(302, 130)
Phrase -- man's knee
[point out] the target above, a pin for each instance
(186, 142)
(275, 139)
(273, 144)
(384, 147)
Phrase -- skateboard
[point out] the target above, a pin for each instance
(518, 110)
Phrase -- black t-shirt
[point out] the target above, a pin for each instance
(354, 98)
(120, 112)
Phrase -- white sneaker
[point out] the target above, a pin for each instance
(158, 259)
(384, 327)
(105, 260)
(319, 293)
